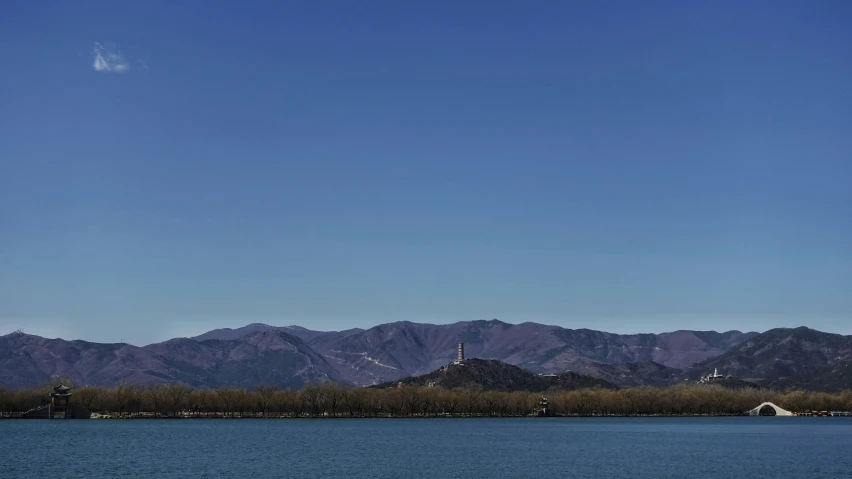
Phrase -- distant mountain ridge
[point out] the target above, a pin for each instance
(293, 355)
(500, 340)
(259, 357)
(229, 334)
(395, 350)
(786, 358)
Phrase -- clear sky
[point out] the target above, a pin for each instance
(168, 167)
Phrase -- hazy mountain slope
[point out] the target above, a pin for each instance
(270, 356)
(780, 353)
(27, 359)
(324, 338)
(834, 378)
(646, 373)
(499, 376)
(261, 357)
(680, 349)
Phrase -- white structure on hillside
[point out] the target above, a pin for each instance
(713, 377)
(460, 357)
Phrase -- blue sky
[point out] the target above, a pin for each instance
(171, 167)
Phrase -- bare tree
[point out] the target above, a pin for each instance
(290, 401)
(449, 402)
(429, 403)
(242, 402)
(355, 401)
(177, 395)
(411, 399)
(846, 400)
(90, 397)
(200, 401)
(315, 397)
(226, 397)
(472, 394)
(122, 395)
(489, 401)
(266, 392)
(335, 395)
(154, 399)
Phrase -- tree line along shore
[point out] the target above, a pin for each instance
(334, 400)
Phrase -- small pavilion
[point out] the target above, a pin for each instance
(59, 399)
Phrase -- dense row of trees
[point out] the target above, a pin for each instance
(331, 399)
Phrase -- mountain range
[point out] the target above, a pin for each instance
(291, 356)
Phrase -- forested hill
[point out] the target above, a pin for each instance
(496, 375)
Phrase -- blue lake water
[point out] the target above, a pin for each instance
(737, 447)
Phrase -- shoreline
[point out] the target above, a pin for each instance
(636, 416)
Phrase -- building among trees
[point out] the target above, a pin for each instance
(59, 407)
(710, 378)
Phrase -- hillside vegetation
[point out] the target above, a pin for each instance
(496, 375)
(333, 400)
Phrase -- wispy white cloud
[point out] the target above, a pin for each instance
(108, 59)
